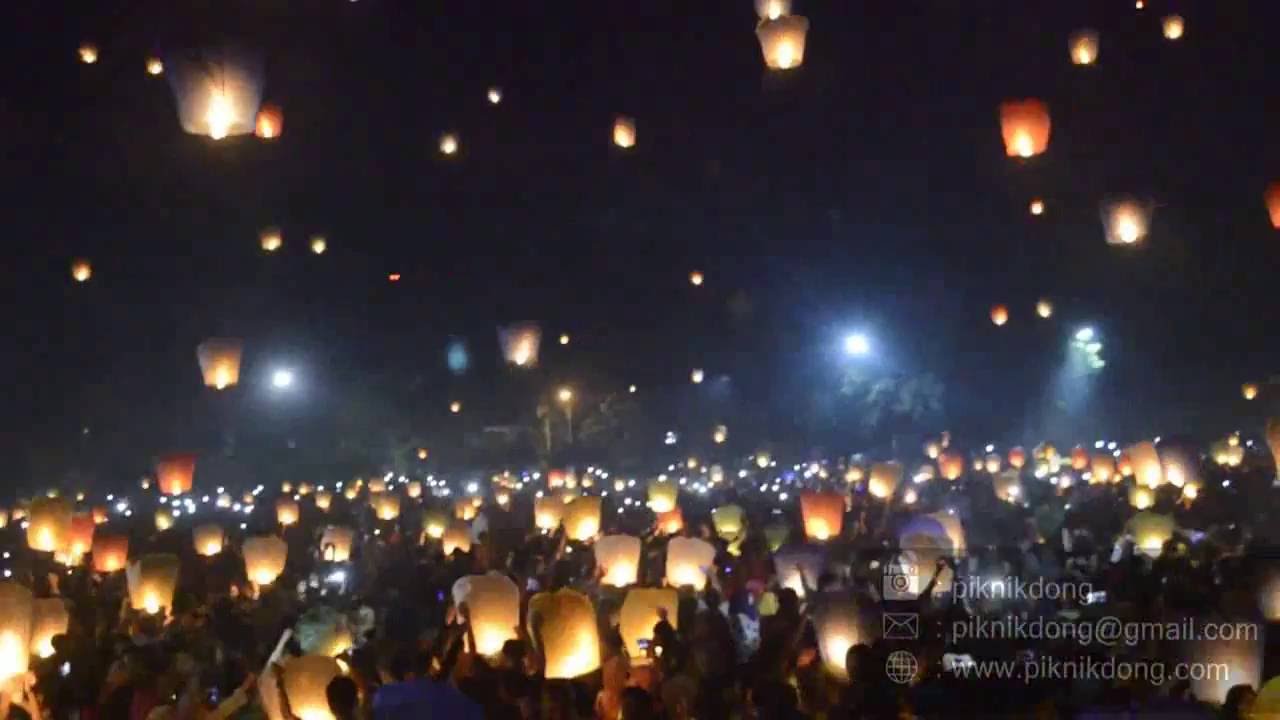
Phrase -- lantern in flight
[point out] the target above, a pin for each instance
(493, 605)
(624, 132)
(772, 9)
(782, 41)
(670, 522)
(950, 465)
(1147, 468)
(81, 270)
(720, 434)
(15, 629)
(1044, 309)
(220, 362)
(386, 506)
(730, 521)
(1079, 458)
(1103, 468)
(269, 123)
(155, 66)
(1126, 221)
(1249, 390)
(1173, 27)
(88, 53)
(1273, 441)
(565, 627)
(1272, 198)
(885, 478)
(686, 560)
(696, 375)
(449, 144)
(1083, 45)
(304, 681)
(618, 558)
(152, 580)
(548, 511)
(495, 95)
(823, 515)
(663, 495)
(1025, 126)
(582, 518)
(642, 609)
(264, 558)
(218, 91)
(695, 278)
(520, 344)
(49, 619)
(110, 552)
(208, 539)
(1036, 207)
(80, 538)
(434, 523)
(1008, 486)
(49, 524)
(999, 315)
(335, 543)
(287, 512)
(175, 472)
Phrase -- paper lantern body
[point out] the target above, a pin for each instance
(1025, 126)
(413, 490)
(493, 602)
(49, 524)
(269, 123)
(1008, 486)
(16, 609)
(152, 580)
(840, 623)
(323, 500)
(175, 472)
(823, 515)
(640, 613)
(305, 680)
(264, 558)
(287, 512)
(670, 522)
(456, 537)
(798, 566)
(220, 362)
(208, 539)
(729, 521)
(885, 478)
(999, 315)
(1017, 458)
(992, 462)
(110, 553)
(776, 534)
(1083, 46)
(772, 9)
(1150, 532)
(619, 557)
(434, 524)
(218, 91)
(582, 519)
(1272, 198)
(1173, 27)
(163, 519)
(1079, 458)
(49, 619)
(386, 506)
(80, 540)
(686, 557)
(566, 627)
(1126, 221)
(624, 132)
(1147, 468)
(377, 485)
(81, 270)
(335, 543)
(520, 344)
(782, 41)
(951, 465)
(663, 496)
(1103, 468)
(548, 511)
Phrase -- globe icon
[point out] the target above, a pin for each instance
(901, 666)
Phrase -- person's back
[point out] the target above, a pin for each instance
(423, 698)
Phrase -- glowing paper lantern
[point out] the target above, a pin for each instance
(152, 580)
(720, 434)
(323, 500)
(287, 512)
(776, 535)
(110, 552)
(264, 558)
(932, 449)
(218, 92)
(155, 66)
(1273, 441)
(520, 344)
(1126, 221)
(1025, 126)
(335, 543)
(582, 519)
(999, 315)
(1150, 532)
(88, 53)
(1036, 207)
(464, 509)
(696, 375)
(1235, 661)
(618, 557)
(695, 278)
(548, 511)
(565, 624)
(624, 132)
(799, 566)
(269, 123)
(1083, 45)
(16, 609)
(992, 462)
(319, 244)
(730, 521)
(1141, 498)
(1103, 468)
(386, 506)
(49, 618)
(1249, 391)
(434, 524)
(49, 524)
(782, 41)
(99, 514)
(686, 558)
(220, 362)
(80, 538)
(1173, 27)
(449, 144)
(1147, 468)
(495, 95)
(839, 623)
(174, 473)
(823, 515)
(1272, 198)
(493, 604)
(304, 682)
(456, 537)
(1008, 486)
(1079, 458)
(1017, 458)
(81, 270)
(208, 539)
(885, 478)
(670, 522)
(663, 495)
(639, 615)
(773, 9)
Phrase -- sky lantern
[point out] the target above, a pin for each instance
(1025, 126)
(772, 9)
(839, 623)
(1017, 457)
(951, 465)
(48, 524)
(1008, 486)
(1173, 27)
(1103, 468)
(885, 478)
(1079, 458)
(449, 144)
(175, 472)
(218, 92)
(80, 539)
(155, 66)
(1249, 390)
(618, 558)
(1044, 309)
(99, 514)
(386, 506)
(152, 580)
(782, 41)
(1126, 221)
(1236, 661)
(163, 519)
(663, 495)
(220, 362)
(799, 566)
(15, 629)
(992, 463)
(999, 315)
(1272, 198)
(287, 512)
(81, 270)
(494, 95)
(670, 522)
(269, 123)
(1147, 468)
(1273, 441)
(1083, 45)
(823, 515)
(319, 244)
(1036, 207)
(264, 558)
(493, 604)
(270, 239)
(696, 278)
(565, 625)
(696, 375)
(434, 524)
(642, 609)
(582, 518)
(110, 552)
(1150, 531)
(88, 53)
(456, 537)
(548, 511)
(932, 448)
(624, 132)
(304, 680)
(208, 539)
(520, 344)
(686, 557)
(730, 520)
(49, 618)
(413, 490)
(336, 542)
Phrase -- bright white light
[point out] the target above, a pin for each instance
(281, 379)
(1084, 334)
(857, 345)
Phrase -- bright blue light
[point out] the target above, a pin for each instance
(282, 379)
(857, 345)
(457, 357)
(1084, 334)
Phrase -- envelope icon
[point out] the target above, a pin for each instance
(901, 626)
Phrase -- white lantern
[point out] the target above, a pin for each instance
(493, 605)
(686, 560)
(782, 41)
(619, 558)
(640, 613)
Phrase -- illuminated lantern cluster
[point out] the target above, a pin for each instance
(823, 515)
(49, 524)
(885, 478)
(564, 623)
(16, 610)
(220, 362)
(520, 344)
(782, 41)
(152, 580)
(639, 615)
(618, 557)
(1025, 126)
(81, 270)
(175, 473)
(1083, 45)
(582, 519)
(208, 539)
(686, 558)
(493, 605)
(264, 558)
(49, 618)
(110, 553)
(269, 123)
(624, 132)
(1126, 221)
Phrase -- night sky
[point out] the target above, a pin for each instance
(868, 189)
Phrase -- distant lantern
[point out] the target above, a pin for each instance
(1173, 26)
(1025, 126)
(885, 478)
(999, 315)
(1008, 486)
(163, 519)
(618, 558)
(1079, 458)
(1037, 207)
(1139, 4)
(110, 552)
(642, 609)
(1147, 468)
(1126, 221)
(1249, 391)
(208, 539)
(686, 560)
(152, 580)
(992, 463)
(319, 244)
(219, 91)
(950, 465)
(220, 362)
(264, 558)
(269, 123)
(1044, 308)
(520, 344)
(1017, 458)
(1083, 45)
(495, 95)
(696, 278)
(1273, 442)
(449, 144)
(696, 375)
(782, 41)
(1103, 468)
(564, 338)
(720, 434)
(799, 566)
(1150, 531)
(377, 485)
(88, 53)
(624, 132)
(563, 624)
(175, 472)
(423, 453)
(155, 66)
(932, 448)
(49, 619)
(1272, 198)
(839, 623)
(15, 629)
(49, 524)
(393, 277)
(823, 515)
(270, 239)
(730, 521)
(80, 539)
(772, 9)
(335, 543)
(98, 512)
(582, 519)
(663, 495)
(455, 407)
(287, 512)
(493, 605)
(456, 537)
(670, 522)
(81, 270)
(1141, 498)
(304, 681)
(463, 509)
(433, 524)
(413, 490)
(386, 506)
